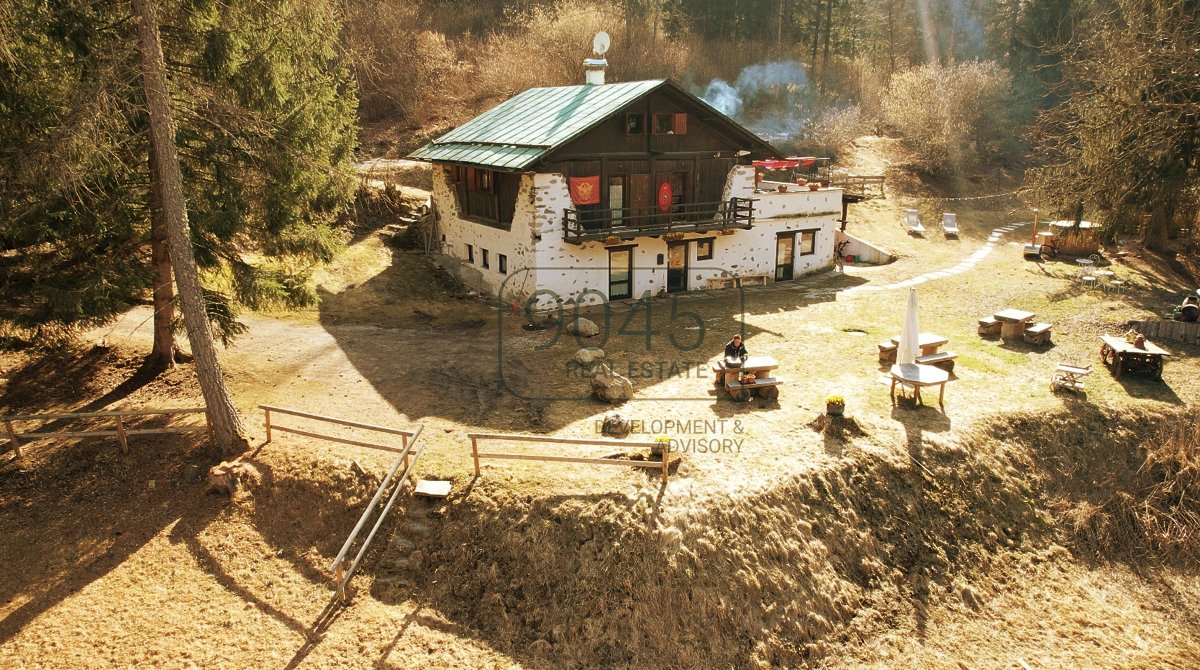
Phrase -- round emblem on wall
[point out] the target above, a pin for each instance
(665, 195)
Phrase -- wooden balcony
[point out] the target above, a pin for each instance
(583, 225)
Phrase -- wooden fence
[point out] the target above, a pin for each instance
(1178, 331)
(858, 183)
(664, 466)
(120, 430)
(405, 435)
(408, 438)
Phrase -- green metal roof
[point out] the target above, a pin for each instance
(521, 130)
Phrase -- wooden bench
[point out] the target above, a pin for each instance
(887, 352)
(1038, 333)
(1069, 377)
(988, 325)
(767, 388)
(942, 359)
(753, 280)
(721, 282)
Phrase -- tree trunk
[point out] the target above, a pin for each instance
(816, 40)
(162, 356)
(828, 35)
(226, 424)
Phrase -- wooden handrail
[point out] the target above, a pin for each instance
(343, 577)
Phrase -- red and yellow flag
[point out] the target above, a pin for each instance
(585, 190)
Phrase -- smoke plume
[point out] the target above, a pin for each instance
(772, 99)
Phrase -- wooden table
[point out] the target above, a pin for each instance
(918, 376)
(1121, 356)
(731, 379)
(1012, 323)
(927, 342)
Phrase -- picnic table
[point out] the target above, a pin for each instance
(927, 342)
(1013, 322)
(1122, 356)
(735, 379)
(918, 376)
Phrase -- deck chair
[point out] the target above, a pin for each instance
(912, 221)
(950, 224)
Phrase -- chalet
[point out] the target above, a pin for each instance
(610, 191)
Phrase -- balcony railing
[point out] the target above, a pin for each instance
(582, 225)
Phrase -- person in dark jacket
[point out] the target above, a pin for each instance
(735, 355)
(735, 349)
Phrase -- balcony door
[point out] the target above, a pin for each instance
(669, 195)
(677, 266)
(620, 273)
(785, 256)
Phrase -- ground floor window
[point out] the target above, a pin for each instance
(704, 249)
(808, 242)
(470, 254)
(503, 261)
(485, 259)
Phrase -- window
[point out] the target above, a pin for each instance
(670, 124)
(470, 254)
(479, 193)
(503, 261)
(485, 259)
(704, 249)
(808, 242)
(635, 124)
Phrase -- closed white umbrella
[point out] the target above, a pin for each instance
(906, 349)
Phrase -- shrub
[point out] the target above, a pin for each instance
(834, 130)
(953, 115)
(554, 41)
(402, 69)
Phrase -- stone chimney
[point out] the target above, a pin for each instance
(593, 70)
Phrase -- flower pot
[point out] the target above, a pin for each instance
(814, 185)
(834, 410)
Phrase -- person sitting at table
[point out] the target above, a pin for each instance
(735, 355)
(735, 349)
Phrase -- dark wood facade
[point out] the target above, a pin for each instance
(633, 158)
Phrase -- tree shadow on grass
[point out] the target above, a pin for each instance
(83, 511)
(498, 375)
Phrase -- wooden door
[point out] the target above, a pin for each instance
(677, 266)
(620, 273)
(785, 256)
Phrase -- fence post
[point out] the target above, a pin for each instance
(268, 413)
(475, 453)
(121, 435)
(16, 444)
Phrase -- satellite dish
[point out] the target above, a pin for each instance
(601, 43)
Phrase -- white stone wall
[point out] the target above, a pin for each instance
(539, 258)
(516, 243)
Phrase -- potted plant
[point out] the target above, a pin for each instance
(672, 237)
(835, 405)
(612, 239)
(814, 185)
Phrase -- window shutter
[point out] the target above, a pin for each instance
(681, 124)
